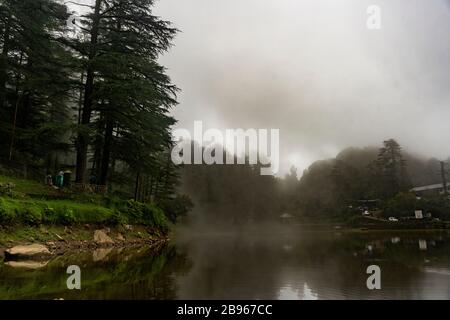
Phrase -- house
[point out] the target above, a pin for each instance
(432, 189)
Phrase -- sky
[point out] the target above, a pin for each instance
(313, 69)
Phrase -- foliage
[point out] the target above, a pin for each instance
(66, 212)
(64, 94)
(402, 205)
(145, 214)
(232, 193)
(176, 207)
(389, 170)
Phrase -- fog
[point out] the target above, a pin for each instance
(314, 70)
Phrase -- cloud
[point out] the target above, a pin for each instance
(312, 69)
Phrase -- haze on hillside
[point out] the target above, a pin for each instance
(312, 69)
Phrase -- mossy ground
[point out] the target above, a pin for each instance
(30, 211)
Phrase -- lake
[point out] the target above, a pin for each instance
(283, 262)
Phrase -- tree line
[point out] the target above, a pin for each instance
(325, 190)
(96, 92)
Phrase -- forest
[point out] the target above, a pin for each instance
(90, 98)
(323, 192)
(88, 95)
(85, 121)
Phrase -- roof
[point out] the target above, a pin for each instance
(430, 187)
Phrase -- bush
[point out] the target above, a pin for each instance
(31, 215)
(154, 217)
(6, 213)
(116, 218)
(145, 214)
(177, 207)
(402, 205)
(57, 212)
(65, 216)
(438, 206)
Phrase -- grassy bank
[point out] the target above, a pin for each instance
(30, 210)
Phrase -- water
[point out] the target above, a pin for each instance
(276, 263)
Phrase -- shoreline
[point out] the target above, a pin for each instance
(59, 240)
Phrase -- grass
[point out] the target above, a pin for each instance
(27, 187)
(30, 203)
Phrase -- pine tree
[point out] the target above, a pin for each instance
(391, 169)
(125, 40)
(34, 78)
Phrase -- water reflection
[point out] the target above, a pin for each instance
(315, 265)
(247, 264)
(134, 273)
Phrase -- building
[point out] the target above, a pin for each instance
(432, 189)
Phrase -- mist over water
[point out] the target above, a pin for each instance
(289, 262)
(253, 261)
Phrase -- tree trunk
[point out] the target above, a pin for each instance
(4, 64)
(106, 154)
(136, 187)
(13, 132)
(444, 178)
(83, 137)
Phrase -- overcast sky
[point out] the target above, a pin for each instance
(313, 69)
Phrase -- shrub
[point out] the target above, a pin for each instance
(145, 214)
(154, 217)
(176, 207)
(58, 215)
(6, 212)
(402, 205)
(31, 215)
(438, 206)
(66, 216)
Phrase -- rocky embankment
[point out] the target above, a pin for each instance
(31, 255)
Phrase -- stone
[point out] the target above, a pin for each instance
(101, 237)
(120, 237)
(31, 265)
(101, 254)
(27, 251)
(51, 244)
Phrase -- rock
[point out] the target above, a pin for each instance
(30, 251)
(101, 254)
(32, 265)
(120, 237)
(101, 237)
(128, 227)
(51, 244)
